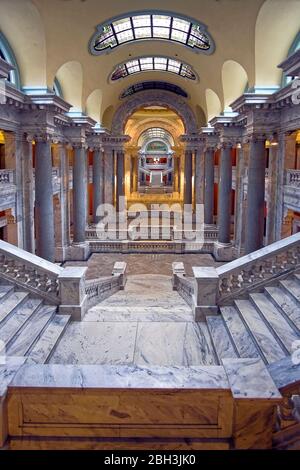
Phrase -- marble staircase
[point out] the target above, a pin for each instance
(28, 326)
(266, 324)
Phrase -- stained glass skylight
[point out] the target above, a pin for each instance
(159, 64)
(143, 26)
(142, 86)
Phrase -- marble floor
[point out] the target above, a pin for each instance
(101, 264)
(146, 324)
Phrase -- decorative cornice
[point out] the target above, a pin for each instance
(291, 65)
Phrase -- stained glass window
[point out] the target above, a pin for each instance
(143, 26)
(160, 64)
(153, 86)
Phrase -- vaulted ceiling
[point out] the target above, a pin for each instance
(51, 39)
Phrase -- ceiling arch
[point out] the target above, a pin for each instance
(156, 98)
(93, 105)
(213, 104)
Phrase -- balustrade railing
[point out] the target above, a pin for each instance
(182, 284)
(7, 177)
(293, 178)
(29, 271)
(258, 267)
(101, 288)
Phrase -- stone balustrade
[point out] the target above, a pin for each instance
(59, 286)
(101, 288)
(7, 177)
(293, 178)
(182, 284)
(220, 286)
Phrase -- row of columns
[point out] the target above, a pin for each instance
(105, 189)
(204, 167)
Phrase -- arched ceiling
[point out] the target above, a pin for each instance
(50, 38)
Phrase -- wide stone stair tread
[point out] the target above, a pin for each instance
(19, 318)
(286, 334)
(23, 342)
(198, 334)
(138, 314)
(239, 333)
(267, 344)
(292, 287)
(220, 338)
(297, 276)
(288, 305)
(9, 304)
(43, 348)
(5, 290)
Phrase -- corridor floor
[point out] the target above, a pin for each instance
(146, 324)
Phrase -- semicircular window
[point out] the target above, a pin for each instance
(156, 64)
(143, 26)
(153, 86)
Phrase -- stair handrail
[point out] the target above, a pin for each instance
(220, 286)
(257, 268)
(30, 271)
(181, 283)
(100, 288)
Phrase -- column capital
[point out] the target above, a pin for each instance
(255, 137)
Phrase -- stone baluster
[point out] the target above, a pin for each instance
(256, 195)
(45, 241)
(98, 182)
(79, 192)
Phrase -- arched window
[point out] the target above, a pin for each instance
(294, 48)
(6, 53)
(151, 25)
(153, 63)
(136, 88)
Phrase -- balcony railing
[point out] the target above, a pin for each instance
(293, 178)
(7, 177)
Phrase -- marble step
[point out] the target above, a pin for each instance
(297, 277)
(19, 318)
(8, 305)
(198, 346)
(282, 329)
(28, 336)
(292, 287)
(220, 338)
(5, 291)
(43, 348)
(100, 313)
(8, 371)
(289, 306)
(239, 333)
(265, 341)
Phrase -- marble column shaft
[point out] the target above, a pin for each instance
(120, 177)
(199, 176)
(98, 180)
(188, 168)
(240, 207)
(45, 240)
(224, 195)
(209, 172)
(79, 194)
(109, 176)
(256, 196)
(64, 196)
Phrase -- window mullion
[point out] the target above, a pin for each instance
(132, 27)
(113, 30)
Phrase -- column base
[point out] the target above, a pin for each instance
(61, 254)
(78, 252)
(223, 251)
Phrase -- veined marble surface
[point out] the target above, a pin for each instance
(249, 378)
(146, 324)
(96, 376)
(8, 370)
(285, 372)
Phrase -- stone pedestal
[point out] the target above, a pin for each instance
(223, 251)
(72, 292)
(205, 292)
(77, 252)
